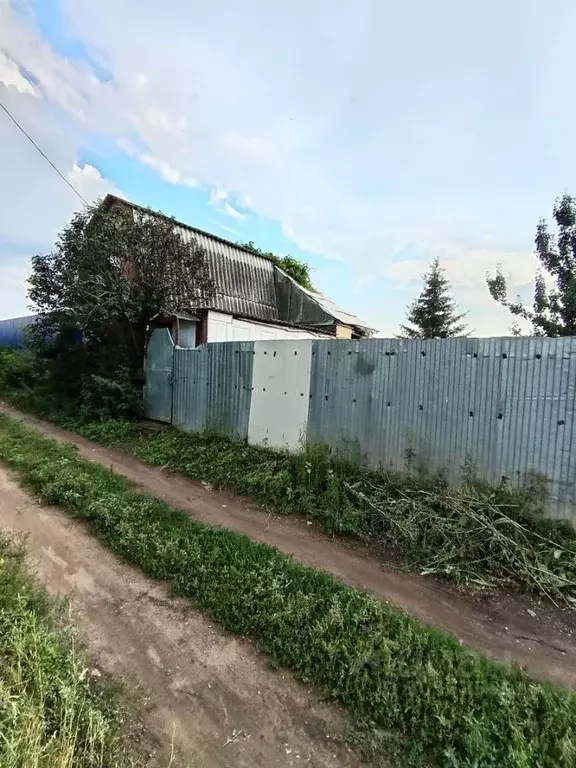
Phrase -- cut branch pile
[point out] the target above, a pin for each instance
(473, 538)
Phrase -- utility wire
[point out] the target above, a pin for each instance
(31, 140)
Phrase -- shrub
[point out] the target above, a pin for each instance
(110, 397)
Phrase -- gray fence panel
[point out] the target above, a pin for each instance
(503, 408)
(159, 371)
(212, 388)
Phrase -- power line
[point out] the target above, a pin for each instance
(31, 140)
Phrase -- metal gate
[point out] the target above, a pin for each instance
(159, 376)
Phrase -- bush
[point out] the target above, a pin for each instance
(112, 397)
(19, 369)
(24, 381)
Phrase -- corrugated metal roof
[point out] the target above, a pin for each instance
(347, 318)
(252, 286)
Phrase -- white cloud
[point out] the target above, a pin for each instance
(369, 128)
(217, 196)
(167, 172)
(231, 211)
(219, 199)
(90, 183)
(13, 301)
(11, 76)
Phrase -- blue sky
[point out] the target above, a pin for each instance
(367, 140)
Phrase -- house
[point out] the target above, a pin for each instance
(253, 300)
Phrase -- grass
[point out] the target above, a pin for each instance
(474, 534)
(444, 705)
(51, 713)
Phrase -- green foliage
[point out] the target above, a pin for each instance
(433, 313)
(443, 705)
(111, 271)
(27, 385)
(474, 534)
(51, 714)
(19, 369)
(553, 311)
(298, 270)
(110, 397)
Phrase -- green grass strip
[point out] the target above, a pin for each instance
(473, 533)
(448, 705)
(51, 713)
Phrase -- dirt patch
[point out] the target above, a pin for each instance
(500, 626)
(208, 698)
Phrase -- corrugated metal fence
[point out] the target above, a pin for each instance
(504, 407)
(12, 331)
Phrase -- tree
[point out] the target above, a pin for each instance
(553, 311)
(298, 270)
(110, 272)
(433, 313)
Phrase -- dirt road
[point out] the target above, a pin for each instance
(210, 696)
(545, 644)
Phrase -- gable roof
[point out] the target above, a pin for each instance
(251, 285)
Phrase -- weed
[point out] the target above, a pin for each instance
(51, 714)
(447, 705)
(475, 534)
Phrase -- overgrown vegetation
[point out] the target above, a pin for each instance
(298, 270)
(51, 714)
(442, 704)
(474, 533)
(111, 271)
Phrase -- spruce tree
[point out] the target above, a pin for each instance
(433, 314)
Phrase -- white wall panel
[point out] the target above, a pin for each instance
(222, 327)
(280, 393)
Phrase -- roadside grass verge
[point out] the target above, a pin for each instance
(444, 705)
(51, 713)
(473, 534)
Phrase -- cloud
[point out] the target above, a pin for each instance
(231, 211)
(167, 172)
(13, 302)
(47, 96)
(90, 183)
(11, 76)
(219, 199)
(217, 196)
(369, 129)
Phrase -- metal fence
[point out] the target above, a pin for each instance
(12, 331)
(501, 407)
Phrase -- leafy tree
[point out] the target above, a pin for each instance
(433, 313)
(109, 273)
(298, 270)
(553, 311)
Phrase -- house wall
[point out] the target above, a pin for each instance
(223, 327)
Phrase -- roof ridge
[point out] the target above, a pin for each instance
(111, 198)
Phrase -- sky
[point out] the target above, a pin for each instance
(366, 138)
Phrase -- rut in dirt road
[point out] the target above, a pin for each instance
(210, 698)
(544, 644)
